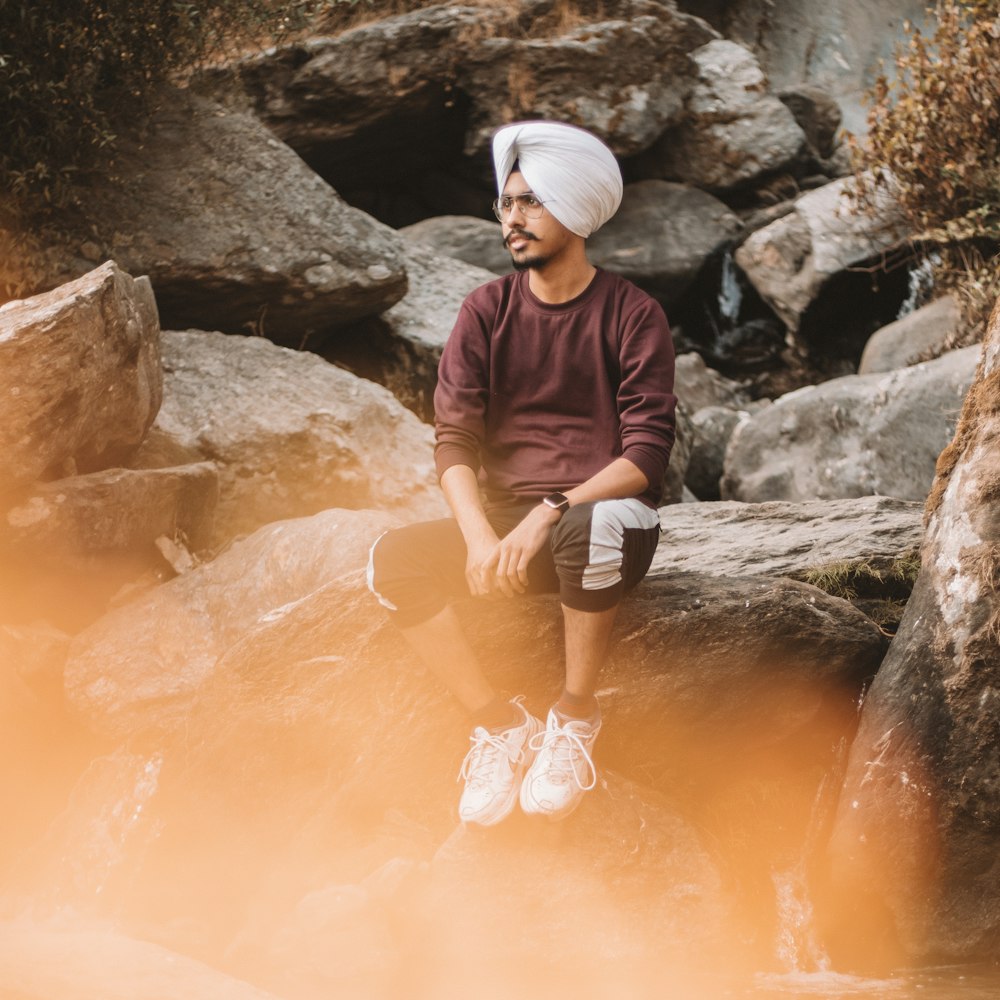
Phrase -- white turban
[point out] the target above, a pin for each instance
(571, 171)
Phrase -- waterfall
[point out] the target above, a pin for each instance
(730, 294)
(920, 284)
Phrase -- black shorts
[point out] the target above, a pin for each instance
(596, 553)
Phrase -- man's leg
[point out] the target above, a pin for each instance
(414, 572)
(601, 550)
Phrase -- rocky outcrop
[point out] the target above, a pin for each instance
(817, 114)
(786, 539)
(624, 75)
(80, 378)
(290, 433)
(733, 130)
(661, 236)
(790, 260)
(401, 348)
(697, 385)
(194, 205)
(912, 858)
(711, 429)
(833, 44)
(855, 436)
(913, 338)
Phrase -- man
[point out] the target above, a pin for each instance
(555, 400)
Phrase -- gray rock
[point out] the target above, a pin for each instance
(923, 332)
(912, 855)
(734, 130)
(837, 45)
(817, 114)
(195, 204)
(855, 436)
(661, 236)
(672, 490)
(712, 427)
(290, 433)
(401, 348)
(463, 237)
(109, 513)
(623, 74)
(730, 539)
(80, 378)
(790, 260)
(698, 386)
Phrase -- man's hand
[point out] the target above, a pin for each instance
(479, 562)
(508, 563)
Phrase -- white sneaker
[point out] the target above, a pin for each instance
(563, 769)
(493, 769)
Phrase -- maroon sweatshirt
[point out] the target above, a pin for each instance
(536, 398)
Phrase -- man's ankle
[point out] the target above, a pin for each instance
(497, 715)
(576, 706)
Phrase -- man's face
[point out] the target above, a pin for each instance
(533, 243)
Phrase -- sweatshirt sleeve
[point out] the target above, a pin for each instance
(461, 394)
(646, 400)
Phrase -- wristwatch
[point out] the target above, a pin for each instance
(557, 501)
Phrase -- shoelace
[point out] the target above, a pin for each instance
(482, 756)
(565, 748)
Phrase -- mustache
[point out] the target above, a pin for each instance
(523, 234)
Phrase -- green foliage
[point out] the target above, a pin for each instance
(72, 72)
(934, 140)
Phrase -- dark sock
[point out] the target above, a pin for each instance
(575, 706)
(497, 715)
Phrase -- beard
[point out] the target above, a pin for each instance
(527, 261)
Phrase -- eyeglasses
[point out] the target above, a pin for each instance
(527, 204)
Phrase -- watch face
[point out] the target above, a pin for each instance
(557, 501)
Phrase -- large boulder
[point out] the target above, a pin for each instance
(733, 130)
(912, 856)
(401, 348)
(661, 235)
(837, 45)
(920, 334)
(790, 260)
(711, 429)
(383, 104)
(851, 437)
(697, 385)
(786, 539)
(194, 204)
(463, 237)
(80, 379)
(275, 664)
(290, 433)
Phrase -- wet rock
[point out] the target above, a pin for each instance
(661, 236)
(401, 348)
(924, 332)
(855, 436)
(912, 856)
(80, 378)
(789, 260)
(786, 539)
(290, 433)
(464, 237)
(194, 204)
(733, 131)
